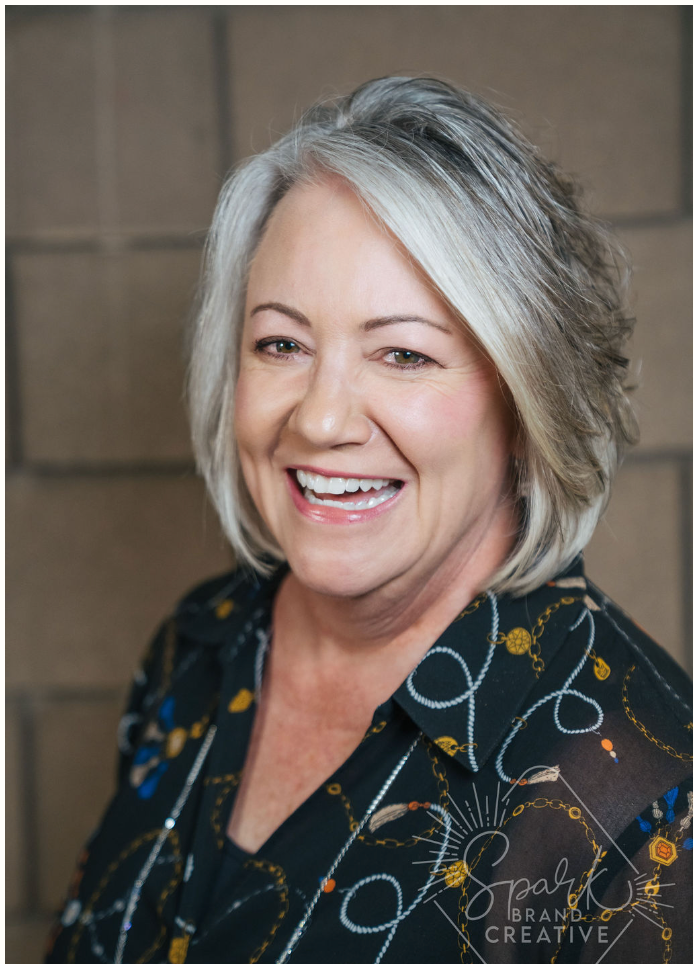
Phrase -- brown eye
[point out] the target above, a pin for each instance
(286, 347)
(277, 347)
(404, 358)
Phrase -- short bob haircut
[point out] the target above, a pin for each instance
(501, 236)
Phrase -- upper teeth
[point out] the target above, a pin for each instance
(336, 485)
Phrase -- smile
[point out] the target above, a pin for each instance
(340, 492)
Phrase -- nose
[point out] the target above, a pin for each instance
(330, 412)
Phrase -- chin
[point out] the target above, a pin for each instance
(332, 575)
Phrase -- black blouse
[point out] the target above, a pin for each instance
(524, 796)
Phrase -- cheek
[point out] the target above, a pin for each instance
(245, 409)
(258, 410)
(255, 429)
(437, 425)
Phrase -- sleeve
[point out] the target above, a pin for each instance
(637, 904)
(149, 682)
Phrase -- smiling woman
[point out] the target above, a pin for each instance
(406, 726)
(352, 368)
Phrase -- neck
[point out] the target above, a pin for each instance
(382, 634)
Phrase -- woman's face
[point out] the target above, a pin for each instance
(373, 435)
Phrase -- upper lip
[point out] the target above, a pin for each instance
(331, 473)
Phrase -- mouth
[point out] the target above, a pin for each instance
(348, 493)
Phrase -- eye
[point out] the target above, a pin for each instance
(404, 358)
(285, 347)
(277, 346)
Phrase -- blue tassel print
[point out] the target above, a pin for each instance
(670, 798)
(150, 764)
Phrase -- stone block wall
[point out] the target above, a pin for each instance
(122, 122)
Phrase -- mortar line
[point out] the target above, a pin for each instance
(186, 468)
(113, 241)
(676, 455)
(655, 219)
(108, 243)
(104, 470)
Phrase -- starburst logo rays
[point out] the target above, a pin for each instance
(473, 820)
(476, 818)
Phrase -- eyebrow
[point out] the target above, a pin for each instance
(370, 325)
(283, 310)
(403, 319)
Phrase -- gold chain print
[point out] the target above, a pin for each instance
(600, 668)
(132, 847)
(473, 607)
(282, 890)
(171, 744)
(462, 876)
(670, 750)
(374, 730)
(651, 890)
(519, 641)
(439, 771)
(226, 783)
(574, 814)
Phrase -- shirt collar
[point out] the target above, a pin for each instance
(466, 692)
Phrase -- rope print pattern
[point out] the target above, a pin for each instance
(439, 771)
(279, 875)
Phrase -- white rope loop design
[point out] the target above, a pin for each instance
(301, 926)
(558, 696)
(392, 925)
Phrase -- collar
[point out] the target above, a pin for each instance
(466, 692)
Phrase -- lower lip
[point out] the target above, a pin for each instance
(330, 515)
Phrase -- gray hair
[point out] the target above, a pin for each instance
(501, 235)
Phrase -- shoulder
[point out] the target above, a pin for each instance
(642, 662)
(207, 612)
(610, 712)
(233, 585)
(207, 617)
(624, 707)
(181, 666)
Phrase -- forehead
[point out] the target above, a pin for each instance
(329, 200)
(323, 238)
(321, 217)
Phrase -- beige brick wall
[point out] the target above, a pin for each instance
(121, 124)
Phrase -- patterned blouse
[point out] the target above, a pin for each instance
(524, 796)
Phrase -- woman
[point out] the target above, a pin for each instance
(406, 728)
